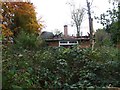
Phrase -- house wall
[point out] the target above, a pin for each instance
(85, 44)
(53, 43)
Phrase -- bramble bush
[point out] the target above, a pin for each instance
(59, 67)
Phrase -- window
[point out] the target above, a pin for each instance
(68, 43)
(72, 41)
(63, 41)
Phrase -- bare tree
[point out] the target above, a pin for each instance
(77, 17)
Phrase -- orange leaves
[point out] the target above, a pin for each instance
(6, 31)
(19, 14)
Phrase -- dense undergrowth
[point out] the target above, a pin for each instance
(30, 64)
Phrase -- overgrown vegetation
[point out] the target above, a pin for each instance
(59, 67)
(29, 63)
(111, 21)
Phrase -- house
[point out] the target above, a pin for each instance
(65, 40)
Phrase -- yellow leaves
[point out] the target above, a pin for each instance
(41, 26)
(6, 32)
(33, 26)
(19, 15)
(1, 17)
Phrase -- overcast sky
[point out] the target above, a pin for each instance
(56, 14)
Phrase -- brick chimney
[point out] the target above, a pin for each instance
(65, 30)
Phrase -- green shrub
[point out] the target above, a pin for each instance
(61, 68)
(27, 40)
(102, 38)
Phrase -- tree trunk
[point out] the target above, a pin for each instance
(90, 25)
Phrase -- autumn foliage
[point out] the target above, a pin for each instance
(18, 16)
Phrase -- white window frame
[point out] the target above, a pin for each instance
(68, 43)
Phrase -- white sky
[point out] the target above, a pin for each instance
(56, 13)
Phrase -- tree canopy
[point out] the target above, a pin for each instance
(111, 21)
(18, 16)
